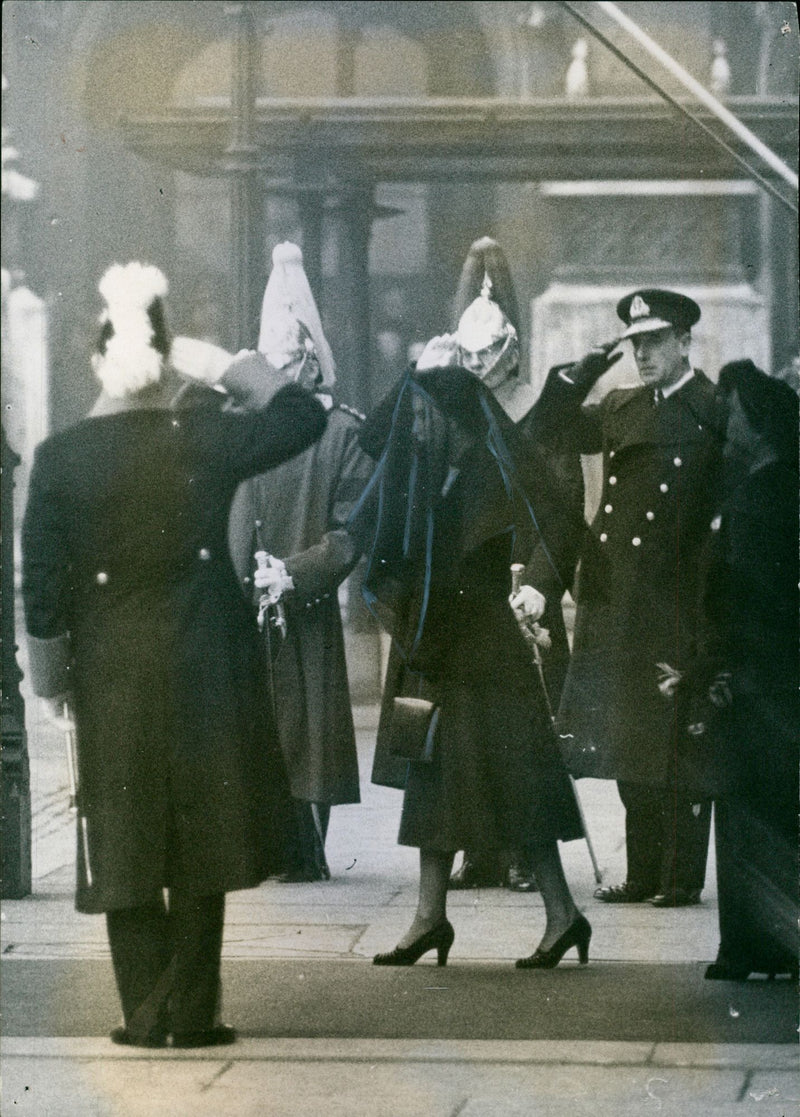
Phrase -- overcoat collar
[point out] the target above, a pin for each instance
(690, 412)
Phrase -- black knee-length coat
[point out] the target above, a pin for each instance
(125, 556)
(497, 779)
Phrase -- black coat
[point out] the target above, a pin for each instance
(125, 549)
(752, 610)
(497, 779)
(640, 580)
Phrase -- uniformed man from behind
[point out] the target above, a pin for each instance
(638, 585)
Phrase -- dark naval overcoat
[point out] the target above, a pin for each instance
(639, 584)
(126, 564)
(297, 512)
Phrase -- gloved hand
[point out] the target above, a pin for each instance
(271, 578)
(528, 604)
(588, 370)
(440, 352)
(200, 360)
(58, 711)
(669, 679)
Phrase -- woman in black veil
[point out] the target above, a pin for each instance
(457, 497)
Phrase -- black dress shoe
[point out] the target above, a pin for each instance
(577, 934)
(154, 1038)
(218, 1036)
(627, 893)
(439, 938)
(473, 874)
(520, 879)
(677, 898)
(725, 971)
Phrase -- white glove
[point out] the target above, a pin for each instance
(58, 711)
(528, 604)
(200, 360)
(271, 578)
(668, 679)
(440, 352)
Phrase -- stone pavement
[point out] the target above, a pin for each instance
(364, 908)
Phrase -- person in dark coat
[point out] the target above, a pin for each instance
(297, 514)
(748, 724)
(135, 618)
(459, 496)
(638, 589)
(550, 569)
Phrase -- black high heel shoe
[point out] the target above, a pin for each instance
(439, 938)
(577, 934)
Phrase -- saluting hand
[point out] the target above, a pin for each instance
(588, 370)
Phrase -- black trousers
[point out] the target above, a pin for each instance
(166, 959)
(666, 838)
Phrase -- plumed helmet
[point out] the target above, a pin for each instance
(133, 338)
(486, 258)
(483, 323)
(290, 323)
(487, 339)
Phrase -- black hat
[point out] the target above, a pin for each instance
(652, 309)
(769, 404)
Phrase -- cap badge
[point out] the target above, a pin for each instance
(639, 308)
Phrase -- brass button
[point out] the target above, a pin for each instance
(636, 541)
(664, 487)
(612, 480)
(603, 537)
(204, 554)
(609, 508)
(650, 515)
(101, 578)
(678, 462)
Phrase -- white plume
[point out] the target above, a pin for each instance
(130, 362)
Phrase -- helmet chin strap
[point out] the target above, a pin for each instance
(497, 370)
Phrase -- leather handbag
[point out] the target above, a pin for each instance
(413, 731)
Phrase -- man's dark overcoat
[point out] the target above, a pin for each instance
(125, 551)
(301, 509)
(639, 584)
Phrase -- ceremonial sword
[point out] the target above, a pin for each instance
(72, 769)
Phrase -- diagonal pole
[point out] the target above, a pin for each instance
(516, 573)
(750, 139)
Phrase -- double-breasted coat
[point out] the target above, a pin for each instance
(297, 512)
(640, 577)
(126, 572)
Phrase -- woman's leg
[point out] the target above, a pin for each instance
(434, 873)
(559, 906)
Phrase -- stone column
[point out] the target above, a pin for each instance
(16, 783)
(242, 164)
(353, 214)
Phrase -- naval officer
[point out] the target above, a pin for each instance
(638, 585)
